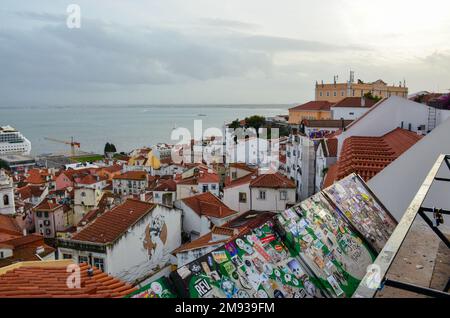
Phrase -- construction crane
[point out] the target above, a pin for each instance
(73, 144)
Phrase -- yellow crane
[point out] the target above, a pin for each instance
(73, 144)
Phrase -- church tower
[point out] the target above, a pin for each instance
(7, 205)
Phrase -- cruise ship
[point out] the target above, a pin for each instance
(13, 142)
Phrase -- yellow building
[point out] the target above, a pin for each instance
(337, 91)
(311, 110)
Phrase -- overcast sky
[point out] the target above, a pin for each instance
(211, 51)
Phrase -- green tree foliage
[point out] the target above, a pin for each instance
(369, 95)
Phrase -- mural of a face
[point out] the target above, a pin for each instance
(155, 235)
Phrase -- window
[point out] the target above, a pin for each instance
(242, 197)
(213, 187)
(39, 214)
(2, 255)
(335, 94)
(67, 256)
(283, 195)
(83, 259)
(5, 200)
(46, 214)
(99, 263)
(205, 188)
(351, 113)
(262, 195)
(342, 93)
(321, 94)
(234, 175)
(328, 93)
(83, 194)
(156, 195)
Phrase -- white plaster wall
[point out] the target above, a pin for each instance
(272, 201)
(345, 112)
(191, 220)
(231, 198)
(129, 260)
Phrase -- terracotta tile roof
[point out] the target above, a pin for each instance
(207, 239)
(240, 181)
(35, 176)
(132, 175)
(332, 147)
(331, 175)
(8, 227)
(25, 249)
(41, 280)
(242, 166)
(29, 191)
(273, 181)
(113, 168)
(202, 241)
(367, 156)
(166, 185)
(208, 204)
(250, 219)
(326, 123)
(91, 179)
(313, 105)
(112, 224)
(355, 102)
(47, 205)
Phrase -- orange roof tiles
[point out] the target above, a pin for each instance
(273, 181)
(331, 175)
(29, 191)
(313, 105)
(112, 224)
(332, 147)
(355, 102)
(202, 241)
(25, 249)
(367, 156)
(208, 204)
(37, 281)
(47, 205)
(132, 175)
(166, 185)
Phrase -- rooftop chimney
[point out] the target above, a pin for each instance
(363, 102)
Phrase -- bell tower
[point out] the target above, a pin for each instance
(7, 205)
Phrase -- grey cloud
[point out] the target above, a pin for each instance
(233, 24)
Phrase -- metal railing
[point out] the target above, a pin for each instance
(393, 245)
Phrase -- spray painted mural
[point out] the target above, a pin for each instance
(354, 199)
(255, 265)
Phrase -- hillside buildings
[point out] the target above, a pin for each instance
(336, 91)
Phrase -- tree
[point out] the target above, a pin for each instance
(235, 124)
(369, 95)
(256, 122)
(110, 148)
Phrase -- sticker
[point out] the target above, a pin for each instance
(156, 287)
(296, 268)
(184, 272)
(195, 268)
(220, 256)
(202, 287)
(268, 269)
(278, 294)
(262, 294)
(206, 268)
(262, 252)
(229, 268)
(242, 294)
(337, 289)
(231, 248)
(310, 288)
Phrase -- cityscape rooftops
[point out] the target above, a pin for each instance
(109, 226)
(208, 204)
(355, 102)
(132, 175)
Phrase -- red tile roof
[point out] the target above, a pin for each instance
(35, 176)
(25, 249)
(272, 180)
(355, 102)
(8, 228)
(313, 105)
(202, 241)
(166, 185)
(47, 205)
(208, 204)
(112, 224)
(29, 191)
(132, 175)
(90, 179)
(47, 281)
(332, 147)
(367, 156)
(331, 175)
